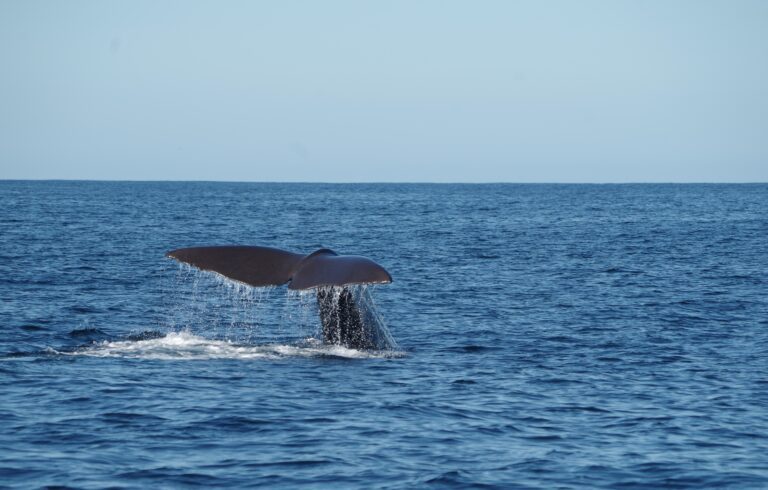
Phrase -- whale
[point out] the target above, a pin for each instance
(347, 314)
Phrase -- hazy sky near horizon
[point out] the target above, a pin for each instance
(391, 91)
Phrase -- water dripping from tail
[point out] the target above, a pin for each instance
(215, 307)
(349, 318)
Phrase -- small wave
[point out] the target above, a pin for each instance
(33, 328)
(471, 348)
(187, 346)
(86, 332)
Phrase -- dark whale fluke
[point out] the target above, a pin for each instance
(346, 310)
(265, 266)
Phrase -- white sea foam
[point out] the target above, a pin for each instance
(187, 346)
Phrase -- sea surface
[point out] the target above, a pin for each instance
(548, 336)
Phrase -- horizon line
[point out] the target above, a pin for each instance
(416, 182)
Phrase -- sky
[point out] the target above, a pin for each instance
(385, 91)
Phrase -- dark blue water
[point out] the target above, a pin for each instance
(550, 336)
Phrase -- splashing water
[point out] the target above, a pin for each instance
(187, 346)
(210, 316)
(349, 317)
(213, 306)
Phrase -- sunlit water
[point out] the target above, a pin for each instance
(547, 337)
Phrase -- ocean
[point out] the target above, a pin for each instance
(548, 336)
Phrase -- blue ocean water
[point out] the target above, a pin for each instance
(549, 336)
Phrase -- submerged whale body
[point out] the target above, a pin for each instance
(346, 309)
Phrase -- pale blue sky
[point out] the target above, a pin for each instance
(393, 91)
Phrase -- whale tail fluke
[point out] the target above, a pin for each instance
(265, 266)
